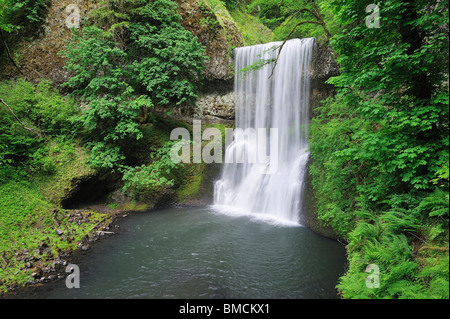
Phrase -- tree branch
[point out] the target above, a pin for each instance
(31, 129)
(316, 14)
(284, 42)
(9, 53)
(320, 18)
(300, 11)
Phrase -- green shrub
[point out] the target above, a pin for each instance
(15, 14)
(143, 57)
(144, 179)
(34, 113)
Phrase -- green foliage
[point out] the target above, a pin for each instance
(167, 59)
(410, 110)
(209, 22)
(437, 203)
(39, 106)
(26, 222)
(141, 180)
(143, 57)
(38, 161)
(336, 179)
(272, 13)
(371, 209)
(20, 201)
(231, 5)
(3, 161)
(283, 18)
(403, 273)
(37, 111)
(101, 81)
(252, 30)
(380, 149)
(243, 72)
(15, 14)
(115, 16)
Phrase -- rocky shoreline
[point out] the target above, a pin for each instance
(46, 270)
(46, 267)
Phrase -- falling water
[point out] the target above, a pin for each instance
(278, 100)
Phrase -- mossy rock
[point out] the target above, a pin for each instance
(211, 23)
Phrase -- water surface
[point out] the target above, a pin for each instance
(201, 253)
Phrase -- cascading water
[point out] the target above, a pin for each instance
(266, 100)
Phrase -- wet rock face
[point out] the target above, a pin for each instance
(38, 56)
(216, 101)
(216, 30)
(213, 105)
(324, 66)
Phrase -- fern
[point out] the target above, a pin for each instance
(437, 203)
(400, 220)
(115, 18)
(405, 289)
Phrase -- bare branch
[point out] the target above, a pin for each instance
(316, 14)
(31, 129)
(284, 42)
(300, 11)
(9, 53)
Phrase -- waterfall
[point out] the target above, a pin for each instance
(278, 101)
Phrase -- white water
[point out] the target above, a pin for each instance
(281, 102)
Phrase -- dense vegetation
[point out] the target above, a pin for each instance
(142, 57)
(39, 160)
(130, 58)
(379, 147)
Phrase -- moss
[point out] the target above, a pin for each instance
(252, 30)
(29, 239)
(69, 163)
(224, 19)
(37, 55)
(196, 180)
(212, 24)
(190, 188)
(133, 206)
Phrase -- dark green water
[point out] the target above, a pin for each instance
(199, 253)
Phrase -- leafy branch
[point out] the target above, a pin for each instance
(317, 19)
